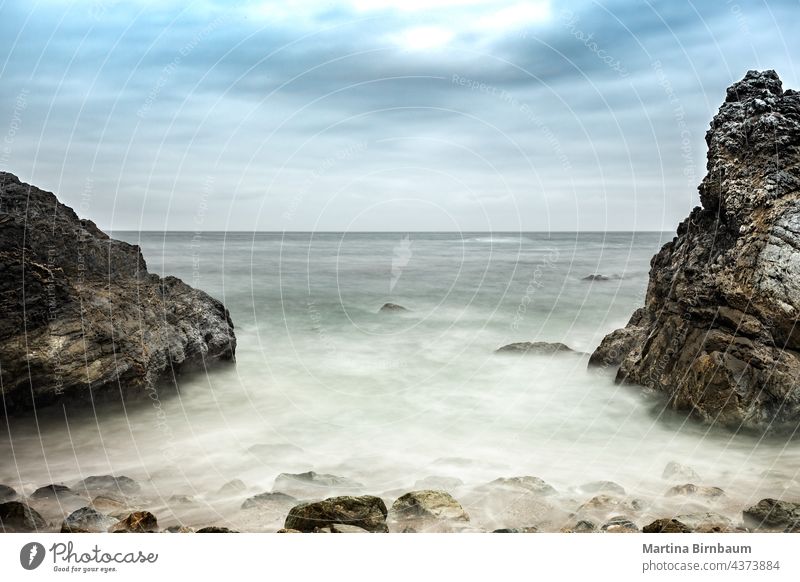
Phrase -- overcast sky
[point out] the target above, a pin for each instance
(376, 114)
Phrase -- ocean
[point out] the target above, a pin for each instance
(324, 381)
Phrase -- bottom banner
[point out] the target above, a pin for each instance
(398, 556)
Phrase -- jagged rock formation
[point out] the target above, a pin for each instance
(718, 333)
(81, 314)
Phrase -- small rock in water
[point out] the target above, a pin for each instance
(620, 524)
(602, 487)
(268, 499)
(607, 503)
(18, 517)
(772, 513)
(666, 526)
(428, 504)
(87, 520)
(181, 500)
(232, 487)
(365, 511)
(531, 529)
(109, 484)
(216, 529)
(677, 472)
(51, 491)
(530, 484)
(536, 348)
(695, 490)
(7, 493)
(311, 484)
(596, 277)
(707, 522)
(137, 522)
(391, 308)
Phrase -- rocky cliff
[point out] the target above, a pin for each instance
(718, 332)
(80, 315)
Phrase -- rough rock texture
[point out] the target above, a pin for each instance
(18, 517)
(137, 522)
(50, 491)
(666, 526)
(81, 313)
(428, 504)
(772, 513)
(718, 333)
(692, 490)
(366, 511)
(87, 520)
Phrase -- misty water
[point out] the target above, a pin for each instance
(325, 382)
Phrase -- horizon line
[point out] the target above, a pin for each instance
(389, 231)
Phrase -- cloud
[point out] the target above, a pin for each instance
(498, 114)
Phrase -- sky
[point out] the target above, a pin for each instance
(386, 115)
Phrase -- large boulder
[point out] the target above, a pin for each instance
(365, 511)
(136, 522)
(81, 314)
(718, 333)
(18, 517)
(7, 493)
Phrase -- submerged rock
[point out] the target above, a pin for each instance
(91, 318)
(215, 529)
(109, 484)
(718, 333)
(676, 472)
(602, 487)
(87, 520)
(51, 491)
(268, 500)
(19, 517)
(7, 493)
(365, 511)
(428, 504)
(536, 348)
(772, 513)
(312, 484)
(530, 529)
(527, 484)
(391, 308)
(695, 491)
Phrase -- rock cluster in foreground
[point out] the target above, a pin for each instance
(520, 504)
(718, 332)
(81, 313)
